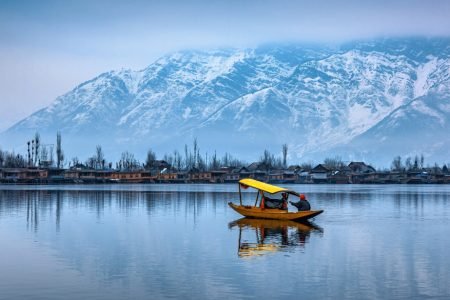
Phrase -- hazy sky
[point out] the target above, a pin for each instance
(49, 47)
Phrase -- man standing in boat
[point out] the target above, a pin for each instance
(303, 204)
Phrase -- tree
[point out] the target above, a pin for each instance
(201, 164)
(150, 160)
(397, 164)
(268, 159)
(177, 159)
(12, 160)
(214, 164)
(285, 151)
(2, 158)
(44, 154)
(416, 163)
(99, 158)
(186, 158)
(51, 158)
(59, 151)
(37, 143)
(28, 152)
(408, 163)
(436, 169)
(196, 153)
(168, 158)
(307, 166)
(75, 161)
(128, 162)
(334, 164)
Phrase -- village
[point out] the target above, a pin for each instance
(162, 172)
(40, 166)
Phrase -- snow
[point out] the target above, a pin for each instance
(426, 110)
(326, 101)
(421, 84)
(359, 118)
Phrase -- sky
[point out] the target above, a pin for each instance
(49, 47)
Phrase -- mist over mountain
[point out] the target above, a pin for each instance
(366, 100)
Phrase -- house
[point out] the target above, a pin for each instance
(319, 174)
(23, 175)
(259, 175)
(303, 176)
(360, 167)
(233, 176)
(138, 176)
(158, 166)
(275, 176)
(257, 166)
(218, 176)
(172, 177)
(84, 175)
(196, 176)
(281, 176)
(339, 176)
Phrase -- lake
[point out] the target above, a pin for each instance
(183, 241)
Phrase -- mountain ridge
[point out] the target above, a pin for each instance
(318, 99)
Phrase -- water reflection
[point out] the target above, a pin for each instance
(176, 241)
(259, 237)
(36, 204)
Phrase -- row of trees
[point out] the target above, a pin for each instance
(39, 154)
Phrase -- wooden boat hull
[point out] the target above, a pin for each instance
(304, 226)
(275, 214)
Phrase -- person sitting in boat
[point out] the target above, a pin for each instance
(273, 203)
(303, 204)
(284, 198)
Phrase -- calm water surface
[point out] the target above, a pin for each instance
(182, 241)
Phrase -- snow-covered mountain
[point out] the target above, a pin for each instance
(368, 100)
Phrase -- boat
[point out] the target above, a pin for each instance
(259, 209)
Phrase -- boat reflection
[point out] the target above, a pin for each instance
(259, 237)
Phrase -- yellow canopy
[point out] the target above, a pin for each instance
(272, 189)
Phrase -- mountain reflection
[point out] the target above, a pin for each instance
(261, 236)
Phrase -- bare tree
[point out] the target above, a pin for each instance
(177, 159)
(268, 159)
(334, 164)
(196, 150)
(201, 164)
(12, 160)
(59, 151)
(416, 163)
(285, 151)
(75, 161)
(150, 160)
(186, 158)
(37, 143)
(168, 158)
(44, 155)
(408, 163)
(99, 157)
(128, 162)
(307, 166)
(397, 164)
(214, 165)
(28, 152)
